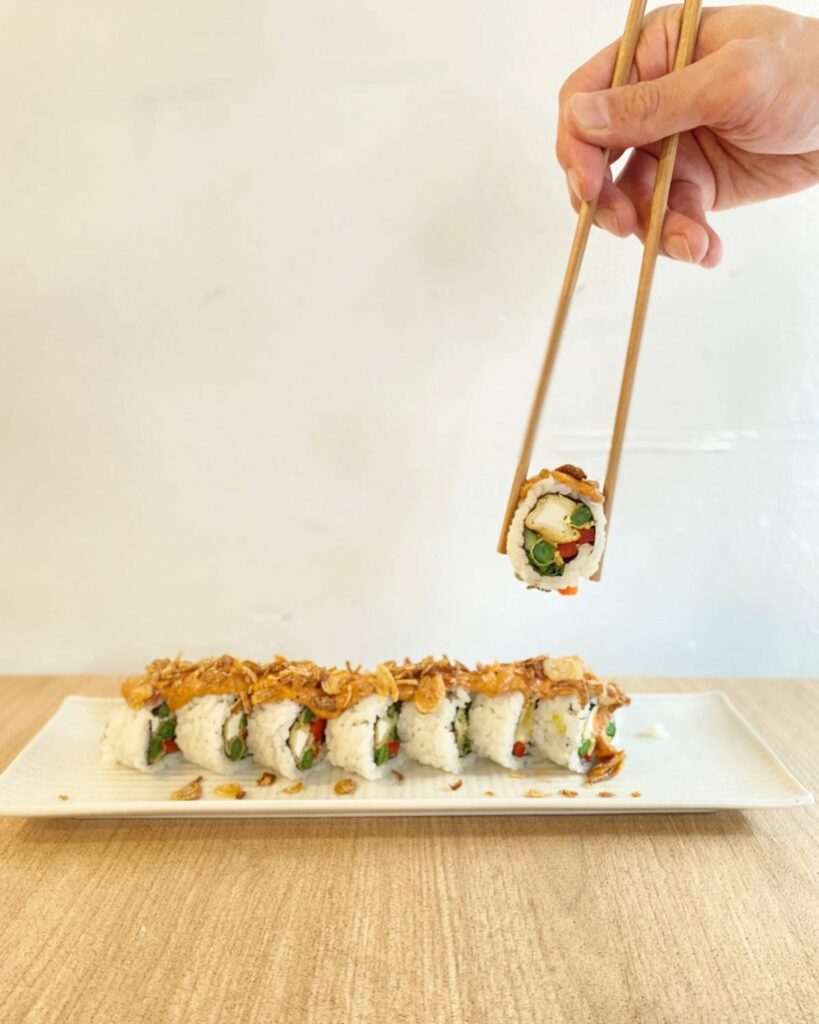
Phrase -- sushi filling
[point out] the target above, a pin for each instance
(234, 734)
(588, 740)
(163, 733)
(460, 730)
(385, 736)
(306, 739)
(523, 731)
(554, 531)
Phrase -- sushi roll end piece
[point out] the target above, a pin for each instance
(143, 738)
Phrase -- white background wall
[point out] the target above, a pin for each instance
(275, 280)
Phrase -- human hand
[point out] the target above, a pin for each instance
(747, 110)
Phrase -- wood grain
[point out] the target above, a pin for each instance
(649, 918)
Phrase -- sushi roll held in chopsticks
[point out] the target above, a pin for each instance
(558, 531)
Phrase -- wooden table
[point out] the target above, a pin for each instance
(582, 920)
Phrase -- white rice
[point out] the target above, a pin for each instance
(492, 725)
(199, 732)
(429, 737)
(350, 739)
(268, 732)
(560, 727)
(126, 738)
(588, 557)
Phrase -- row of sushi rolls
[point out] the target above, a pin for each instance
(293, 716)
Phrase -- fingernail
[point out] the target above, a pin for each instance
(590, 111)
(678, 248)
(607, 220)
(574, 183)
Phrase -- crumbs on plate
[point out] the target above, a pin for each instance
(568, 792)
(266, 779)
(297, 787)
(191, 791)
(230, 791)
(344, 787)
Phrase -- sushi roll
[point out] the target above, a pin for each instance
(286, 737)
(212, 732)
(364, 738)
(558, 532)
(563, 731)
(439, 737)
(573, 722)
(141, 737)
(500, 727)
(211, 700)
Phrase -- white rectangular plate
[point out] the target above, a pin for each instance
(712, 759)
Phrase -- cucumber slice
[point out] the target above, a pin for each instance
(161, 710)
(307, 759)
(585, 747)
(381, 754)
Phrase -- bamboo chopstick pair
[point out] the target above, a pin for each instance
(689, 26)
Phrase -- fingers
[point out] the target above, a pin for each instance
(686, 235)
(583, 161)
(635, 115)
(615, 211)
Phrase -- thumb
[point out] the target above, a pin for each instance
(634, 115)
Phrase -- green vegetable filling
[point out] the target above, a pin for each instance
(385, 735)
(166, 729)
(541, 554)
(581, 515)
(611, 729)
(236, 749)
(304, 741)
(156, 748)
(585, 747)
(460, 728)
(161, 710)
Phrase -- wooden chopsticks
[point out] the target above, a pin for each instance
(689, 26)
(622, 69)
